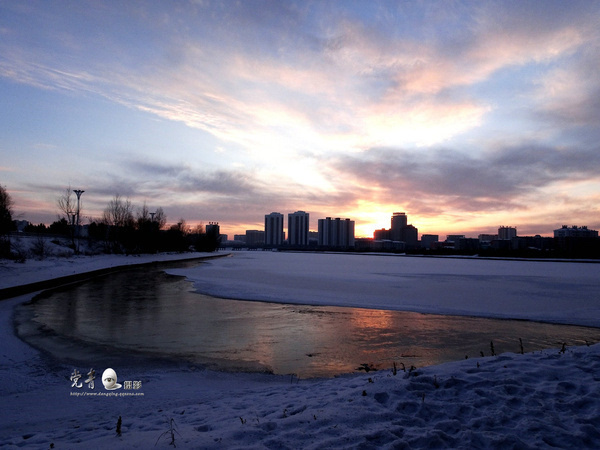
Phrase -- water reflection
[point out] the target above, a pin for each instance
(147, 310)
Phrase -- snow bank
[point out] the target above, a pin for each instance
(35, 274)
(547, 399)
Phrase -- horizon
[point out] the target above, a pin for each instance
(371, 236)
(465, 115)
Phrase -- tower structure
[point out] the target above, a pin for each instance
(507, 233)
(336, 233)
(399, 220)
(274, 229)
(398, 223)
(298, 229)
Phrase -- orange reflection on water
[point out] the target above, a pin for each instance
(374, 319)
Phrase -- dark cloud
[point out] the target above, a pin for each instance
(182, 178)
(445, 178)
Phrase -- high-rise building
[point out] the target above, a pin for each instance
(581, 242)
(410, 236)
(576, 232)
(336, 233)
(298, 229)
(212, 228)
(400, 231)
(399, 220)
(214, 232)
(274, 229)
(507, 233)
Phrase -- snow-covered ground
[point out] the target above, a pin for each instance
(38, 270)
(547, 399)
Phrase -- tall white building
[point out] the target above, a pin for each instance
(336, 233)
(298, 229)
(274, 229)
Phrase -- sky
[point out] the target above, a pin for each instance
(465, 115)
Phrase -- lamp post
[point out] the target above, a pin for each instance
(78, 193)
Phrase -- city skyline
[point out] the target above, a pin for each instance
(466, 115)
(274, 226)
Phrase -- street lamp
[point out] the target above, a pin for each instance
(78, 193)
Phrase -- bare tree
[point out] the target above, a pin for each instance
(182, 227)
(120, 222)
(6, 221)
(199, 229)
(118, 213)
(6, 211)
(143, 215)
(67, 205)
(160, 218)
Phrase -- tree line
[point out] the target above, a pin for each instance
(122, 228)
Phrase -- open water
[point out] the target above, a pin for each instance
(146, 311)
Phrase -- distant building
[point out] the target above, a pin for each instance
(298, 229)
(212, 228)
(410, 236)
(273, 234)
(381, 235)
(400, 231)
(336, 233)
(398, 222)
(575, 232)
(255, 238)
(467, 244)
(501, 244)
(580, 242)
(536, 242)
(363, 244)
(427, 240)
(507, 233)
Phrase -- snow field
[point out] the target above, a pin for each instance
(538, 400)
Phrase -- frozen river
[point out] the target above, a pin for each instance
(150, 311)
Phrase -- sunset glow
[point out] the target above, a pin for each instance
(465, 115)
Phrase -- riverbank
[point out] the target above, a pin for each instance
(19, 278)
(548, 398)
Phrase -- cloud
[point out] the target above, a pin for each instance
(184, 179)
(453, 180)
(394, 100)
(253, 71)
(571, 97)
